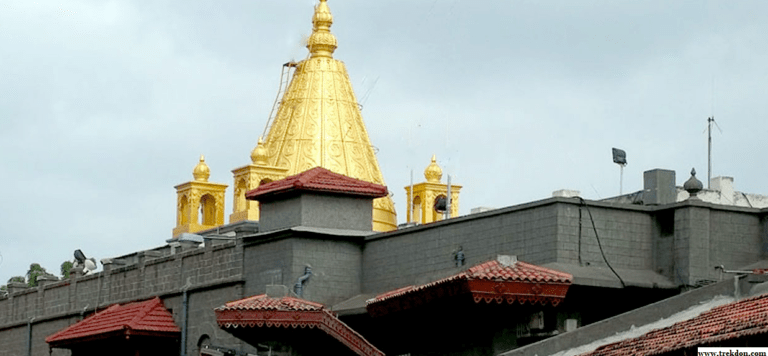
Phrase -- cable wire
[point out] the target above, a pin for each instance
(584, 202)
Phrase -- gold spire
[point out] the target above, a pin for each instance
(322, 43)
(433, 173)
(259, 154)
(318, 122)
(201, 171)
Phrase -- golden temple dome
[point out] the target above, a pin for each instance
(319, 124)
(433, 172)
(201, 172)
(259, 154)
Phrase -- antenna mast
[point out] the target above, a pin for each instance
(709, 149)
(710, 121)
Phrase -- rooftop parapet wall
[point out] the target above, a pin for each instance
(144, 277)
(626, 236)
(424, 253)
(652, 246)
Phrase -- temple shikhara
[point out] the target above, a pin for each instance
(312, 260)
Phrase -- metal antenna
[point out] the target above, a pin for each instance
(448, 200)
(710, 120)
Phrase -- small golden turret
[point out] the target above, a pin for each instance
(259, 154)
(433, 173)
(423, 197)
(199, 203)
(201, 172)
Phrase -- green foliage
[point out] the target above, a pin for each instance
(35, 270)
(19, 279)
(66, 266)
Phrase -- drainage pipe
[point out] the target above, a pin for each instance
(185, 315)
(29, 336)
(299, 287)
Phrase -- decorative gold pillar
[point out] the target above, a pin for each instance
(199, 203)
(422, 199)
(251, 177)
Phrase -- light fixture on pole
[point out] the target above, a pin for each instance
(620, 158)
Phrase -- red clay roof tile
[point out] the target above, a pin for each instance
(318, 179)
(263, 302)
(148, 317)
(290, 313)
(511, 281)
(492, 271)
(725, 322)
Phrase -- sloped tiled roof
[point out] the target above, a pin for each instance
(263, 302)
(726, 322)
(288, 312)
(518, 271)
(509, 281)
(140, 318)
(318, 179)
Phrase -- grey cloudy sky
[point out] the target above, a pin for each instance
(106, 105)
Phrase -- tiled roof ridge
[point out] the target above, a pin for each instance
(281, 303)
(481, 271)
(238, 314)
(119, 318)
(319, 179)
(145, 310)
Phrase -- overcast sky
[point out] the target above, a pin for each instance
(106, 105)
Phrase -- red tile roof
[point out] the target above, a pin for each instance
(518, 271)
(490, 281)
(289, 312)
(140, 318)
(318, 179)
(263, 302)
(726, 322)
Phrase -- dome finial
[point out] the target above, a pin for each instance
(693, 186)
(201, 171)
(259, 154)
(322, 43)
(433, 173)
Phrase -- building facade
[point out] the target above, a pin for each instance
(327, 248)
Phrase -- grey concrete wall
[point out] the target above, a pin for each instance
(337, 212)
(691, 246)
(538, 233)
(424, 253)
(202, 318)
(625, 233)
(267, 263)
(317, 210)
(336, 268)
(279, 214)
(55, 306)
(708, 235)
(735, 240)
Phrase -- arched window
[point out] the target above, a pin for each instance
(442, 201)
(416, 211)
(207, 210)
(202, 343)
